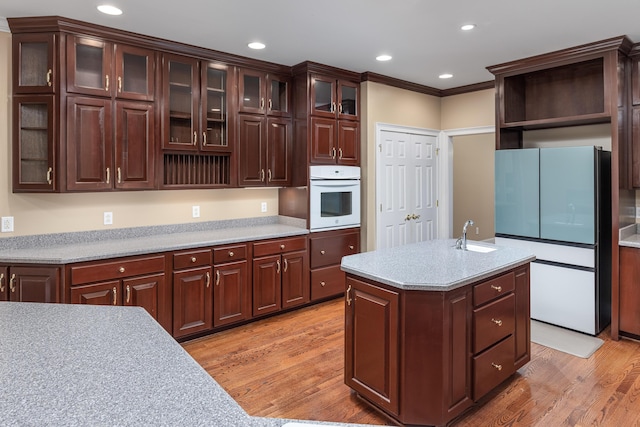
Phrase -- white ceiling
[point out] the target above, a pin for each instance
(423, 36)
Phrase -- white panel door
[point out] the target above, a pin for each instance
(406, 188)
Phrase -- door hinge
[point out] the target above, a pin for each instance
(437, 203)
(380, 207)
(437, 151)
(380, 147)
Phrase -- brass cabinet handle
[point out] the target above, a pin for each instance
(193, 259)
(340, 108)
(50, 176)
(495, 365)
(261, 103)
(322, 252)
(322, 284)
(333, 107)
(1, 280)
(340, 153)
(278, 266)
(497, 288)
(270, 104)
(268, 175)
(208, 279)
(204, 138)
(121, 269)
(115, 295)
(497, 321)
(286, 264)
(49, 77)
(128, 294)
(217, 277)
(119, 173)
(231, 253)
(195, 138)
(333, 153)
(108, 175)
(119, 84)
(261, 175)
(12, 283)
(106, 85)
(348, 296)
(351, 247)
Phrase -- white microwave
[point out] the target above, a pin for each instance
(334, 197)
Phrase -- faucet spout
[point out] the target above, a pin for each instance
(464, 234)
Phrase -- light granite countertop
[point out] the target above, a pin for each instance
(629, 236)
(434, 265)
(66, 248)
(82, 365)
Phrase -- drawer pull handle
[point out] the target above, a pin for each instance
(348, 296)
(497, 288)
(497, 321)
(231, 253)
(351, 247)
(321, 252)
(281, 246)
(121, 269)
(322, 284)
(495, 365)
(193, 259)
(115, 295)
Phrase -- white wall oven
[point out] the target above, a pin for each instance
(334, 197)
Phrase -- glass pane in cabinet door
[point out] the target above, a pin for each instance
(348, 100)
(251, 95)
(34, 64)
(135, 74)
(89, 66)
(278, 101)
(180, 102)
(323, 98)
(34, 143)
(216, 107)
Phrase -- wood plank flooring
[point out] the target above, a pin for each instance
(291, 366)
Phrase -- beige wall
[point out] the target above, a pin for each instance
(52, 213)
(469, 110)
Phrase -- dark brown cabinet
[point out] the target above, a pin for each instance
(280, 275)
(630, 292)
(35, 68)
(192, 292)
(264, 93)
(232, 290)
(478, 335)
(326, 251)
(30, 284)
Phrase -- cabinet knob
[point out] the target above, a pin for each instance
(281, 246)
(322, 284)
(322, 252)
(351, 247)
(231, 253)
(193, 259)
(497, 321)
(497, 288)
(121, 269)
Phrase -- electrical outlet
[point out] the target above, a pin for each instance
(108, 218)
(263, 207)
(477, 230)
(7, 224)
(195, 211)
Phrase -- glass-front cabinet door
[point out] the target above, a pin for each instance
(278, 96)
(33, 157)
(34, 69)
(134, 73)
(180, 128)
(323, 96)
(348, 104)
(89, 66)
(215, 132)
(251, 91)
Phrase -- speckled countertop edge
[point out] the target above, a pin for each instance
(434, 265)
(629, 236)
(66, 248)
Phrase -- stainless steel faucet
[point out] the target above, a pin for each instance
(461, 243)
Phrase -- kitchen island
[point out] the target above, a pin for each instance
(431, 329)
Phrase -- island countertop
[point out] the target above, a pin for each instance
(82, 365)
(434, 265)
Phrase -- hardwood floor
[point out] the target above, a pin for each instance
(291, 366)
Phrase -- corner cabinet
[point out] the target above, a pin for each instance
(478, 336)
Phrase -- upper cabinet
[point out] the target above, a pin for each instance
(264, 93)
(334, 98)
(34, 64)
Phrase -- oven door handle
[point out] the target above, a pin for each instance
(335, 183)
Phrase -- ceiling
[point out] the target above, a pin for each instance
(423, 36)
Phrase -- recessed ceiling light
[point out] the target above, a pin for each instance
(445, 76)
(109, 10)
(256, 45)
(468, 27)
(383, 57)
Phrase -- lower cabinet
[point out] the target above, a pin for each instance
(232, 290)
(424, 357)
(192, 292)
(327, 250)
(30, 284)
(137, 281)
(629, 312)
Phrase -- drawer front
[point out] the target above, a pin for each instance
(274, 247)
(492, 367)
(493, 288)
(327, 282)
(126, 267)
(226, 254)
(191, 259)
(330, 250)
(493, 322)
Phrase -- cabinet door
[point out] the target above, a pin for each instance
(89, 66)
(134, 145)
(323, 141)
(217, 131)
(231, 294)
(251, 91)
(143, 292)
(34, 143)
(372, 340)
(630, 290)
(323, 96)
(192, 301)
(295, 279)
(348, 100)
(279, 152)
(252, 144)
(34, 284)
(4, 284)
(89, 144)
(523, 322)
(635, 146)
(348, 143)
(267, 290)
(278, 95)
(181, 103)
(34, 67)
(135, 73)
(103, 293)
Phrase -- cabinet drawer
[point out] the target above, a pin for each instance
(127, 267)
(330, 249)
(492, 367)
(229, 253)
(493, 288)
(493, 322)
(273, 247)
(190, 259)
(326, 282)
